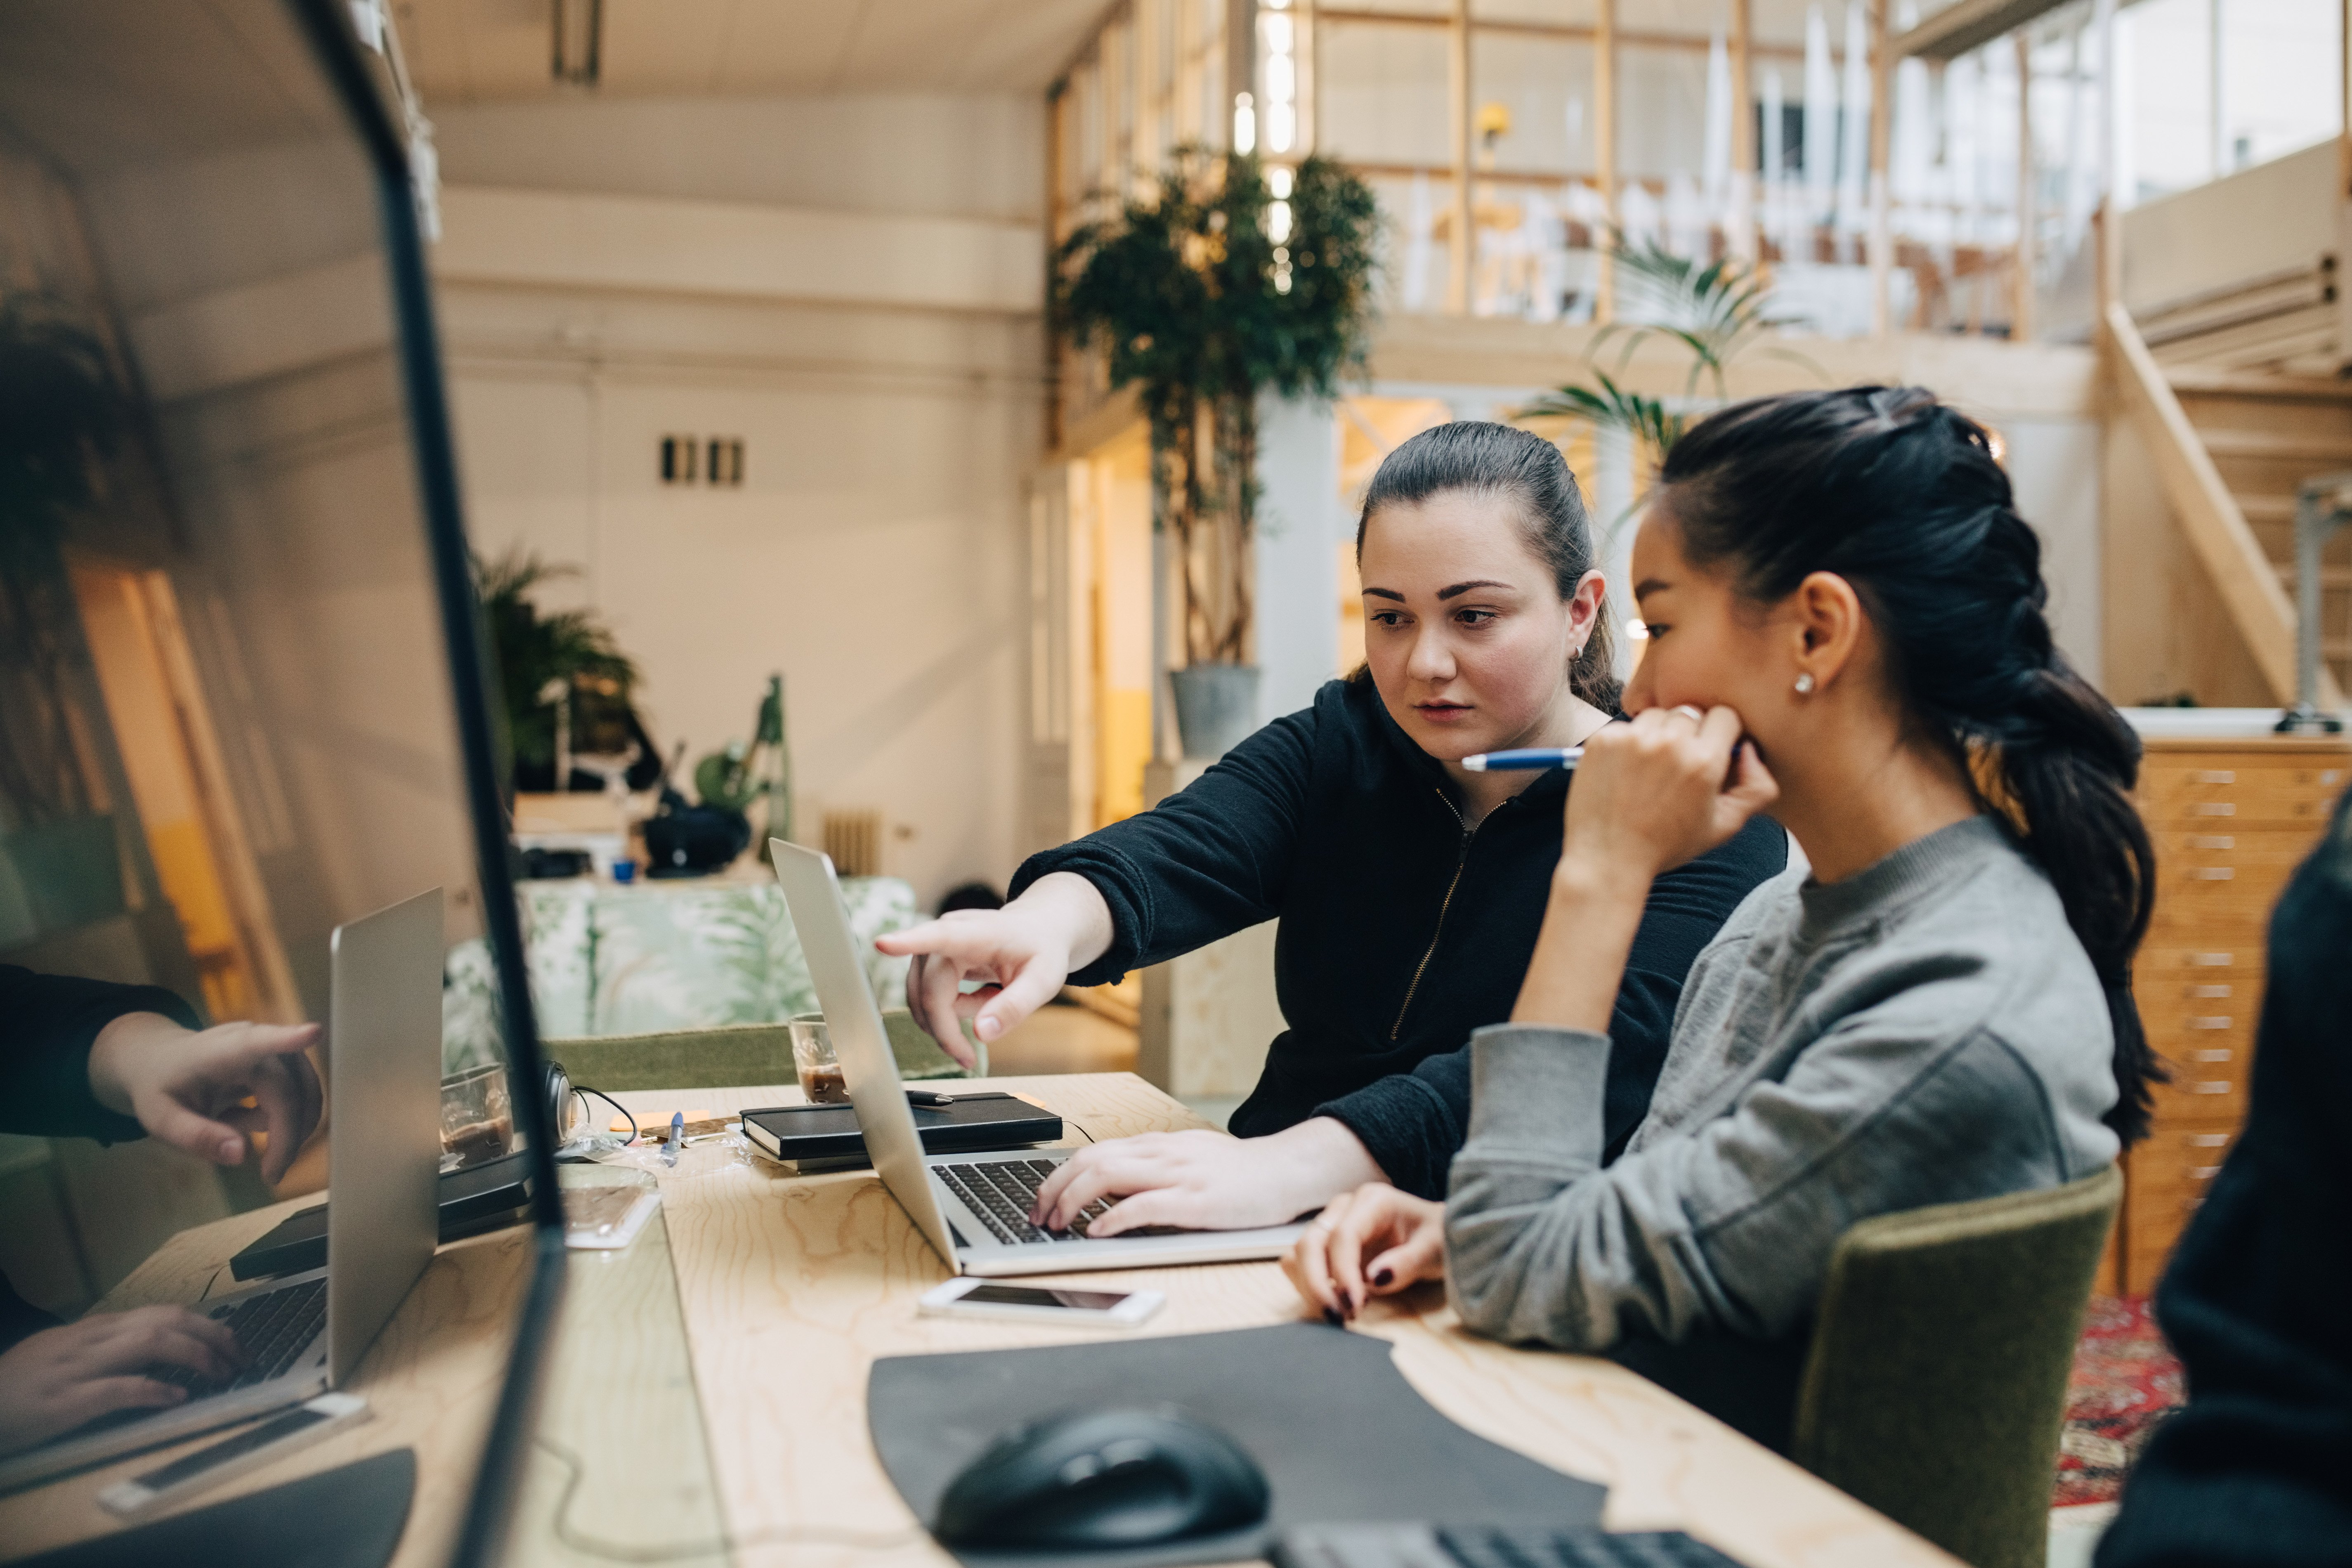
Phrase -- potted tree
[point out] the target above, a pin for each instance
(1227, 281)
(62, 412)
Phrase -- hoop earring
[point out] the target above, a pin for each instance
(1805, 683)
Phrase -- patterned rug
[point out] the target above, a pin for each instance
(2126, 1382)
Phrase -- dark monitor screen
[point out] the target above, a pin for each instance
(241, 700)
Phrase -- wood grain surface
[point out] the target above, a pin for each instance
(791, 1286)
(786, 1287)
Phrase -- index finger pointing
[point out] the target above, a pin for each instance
(245, 1044)
(931, 936)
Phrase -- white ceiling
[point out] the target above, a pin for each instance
(474, 51)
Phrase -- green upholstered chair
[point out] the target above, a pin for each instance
(1935, 1386)
(725, 1057)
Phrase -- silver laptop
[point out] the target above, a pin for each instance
(307, 1333)
(972, 1208)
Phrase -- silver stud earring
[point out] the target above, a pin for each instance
(1805, 683)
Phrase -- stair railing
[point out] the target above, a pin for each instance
(2243, 579)
(2321, 507)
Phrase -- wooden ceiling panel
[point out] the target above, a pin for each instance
(794, 48)
(471, 51)
(974, 45)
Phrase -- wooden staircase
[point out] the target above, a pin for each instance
(2231, 387)
(2267, 434)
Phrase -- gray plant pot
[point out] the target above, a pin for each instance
(1216, 707)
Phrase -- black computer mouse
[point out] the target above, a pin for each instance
(1102, 1478)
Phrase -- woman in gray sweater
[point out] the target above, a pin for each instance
(1846, 632)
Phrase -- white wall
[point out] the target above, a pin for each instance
(1301, 524)
(875, 552)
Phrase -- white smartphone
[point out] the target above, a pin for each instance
(970, 1297)
(256, 1445)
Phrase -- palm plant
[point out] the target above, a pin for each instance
(1718, 311)
(569, 653)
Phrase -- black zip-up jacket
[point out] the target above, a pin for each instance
(1400, 931)
(47, 1025)
(2257, 1471)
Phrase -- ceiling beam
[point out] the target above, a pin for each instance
(1969, 25)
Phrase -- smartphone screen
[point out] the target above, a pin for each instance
(1033, 1296)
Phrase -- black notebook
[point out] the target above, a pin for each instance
(478, 1198)
(973, 1123)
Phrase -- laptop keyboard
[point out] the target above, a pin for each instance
(1000, 1193)
(1492, 1546)
(1487, 1546)
(274, 1329)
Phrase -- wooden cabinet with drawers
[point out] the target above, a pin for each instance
(2231, 820)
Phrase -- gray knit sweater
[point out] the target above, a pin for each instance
(1926, 1031)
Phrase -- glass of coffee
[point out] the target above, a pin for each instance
(812, 1058)
(477, 1117)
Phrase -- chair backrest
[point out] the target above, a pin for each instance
(725, 1057)
(1935, 1388)
(680, 1058)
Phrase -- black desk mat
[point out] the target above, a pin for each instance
(349, 1517)
(1339, 1433)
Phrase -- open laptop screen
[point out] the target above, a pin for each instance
(241, 700)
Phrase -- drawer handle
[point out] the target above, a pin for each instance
(2212, 841)
(2208, 1140)
(2215, 775)
(2330, 776)
(2211, 1055)
(2208, 992)
(2213, 808)
(2211, 873)
(2213, 960)
(2211, 1086)
(2223, 1022)
(2205, 1173)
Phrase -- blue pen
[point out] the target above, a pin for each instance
(1535, 760)
(677, 1137)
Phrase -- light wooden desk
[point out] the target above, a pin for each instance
(793, 1286)
(788, 1287)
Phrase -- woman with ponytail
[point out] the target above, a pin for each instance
(1846, 633)
(1408, 887)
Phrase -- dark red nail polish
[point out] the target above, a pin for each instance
(1385, 1279)
(1331, 1316)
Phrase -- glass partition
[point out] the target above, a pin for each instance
(240, 696)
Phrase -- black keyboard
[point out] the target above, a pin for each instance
(1487, 1546)
(1000, 1193)
(274, 1328)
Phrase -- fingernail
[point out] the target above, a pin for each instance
(986, 1028)
(1331, 1316)
(232, 1151)
(1385, 1279)
(177, 1393)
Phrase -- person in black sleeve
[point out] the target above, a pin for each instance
(2256, 1471)
(1409, 889)
(86, 1059)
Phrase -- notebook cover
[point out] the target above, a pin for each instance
(973, 1124)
